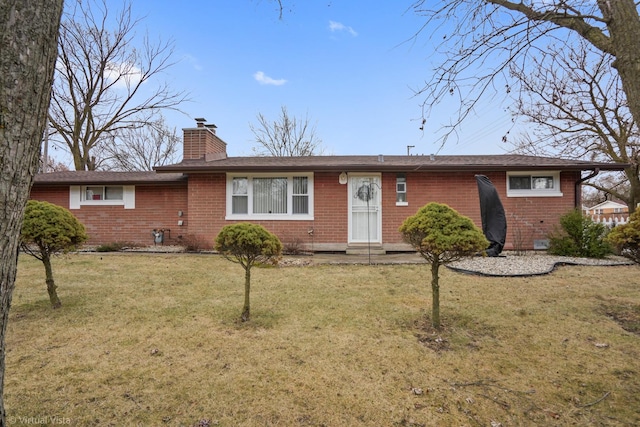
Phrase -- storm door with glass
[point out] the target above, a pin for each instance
(365, 208)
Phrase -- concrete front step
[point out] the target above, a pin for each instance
(365, 250)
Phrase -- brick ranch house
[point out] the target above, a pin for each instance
(610, 213)
(321, 203)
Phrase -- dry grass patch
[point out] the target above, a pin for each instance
(155, 340)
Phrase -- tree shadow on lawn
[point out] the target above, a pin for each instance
(456, 332)
(625, 314)
(261, 318)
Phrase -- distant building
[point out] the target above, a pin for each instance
(609, 213)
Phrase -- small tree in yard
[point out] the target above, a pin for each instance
(441, 235)
(47, 230)
(626, 237)
(247, 244)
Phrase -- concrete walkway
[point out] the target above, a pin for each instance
(391, 258)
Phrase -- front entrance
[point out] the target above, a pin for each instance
(365, 208)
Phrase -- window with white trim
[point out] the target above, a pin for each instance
(401, 190)
(102, 193)
(533, 184)
(270, 196)
(240, 196)
(106, 195)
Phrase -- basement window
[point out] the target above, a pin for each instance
(533, 184)
(102, 195)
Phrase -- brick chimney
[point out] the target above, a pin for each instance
(202, 141)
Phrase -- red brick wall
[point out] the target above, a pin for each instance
(203, 203)
(535, 217)
(331, 210)
(207, 198)
(207, 207)
(57, 195)
(528, 218)
(156, 207)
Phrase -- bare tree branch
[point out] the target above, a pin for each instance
(479, 39)
(285, 137)
(140, 148)
(104, 82)
(578, 109)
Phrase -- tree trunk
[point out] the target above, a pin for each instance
(247, 290)
(624, 27)
(51, 286)
(633, 175)
(28, 36)
(435, 294)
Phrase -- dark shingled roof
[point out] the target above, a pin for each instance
(176, 173)
(506, 162)
(102, 177)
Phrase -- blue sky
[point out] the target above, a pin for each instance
(346, 65)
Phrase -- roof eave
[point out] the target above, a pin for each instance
(181, 180)
(384, 168)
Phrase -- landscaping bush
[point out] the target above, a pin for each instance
(579, 236)
(626, 238)
(293, 246)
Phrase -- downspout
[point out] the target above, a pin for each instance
(578, 198)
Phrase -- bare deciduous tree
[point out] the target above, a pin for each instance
(605, 188)
(104, 81)
(53, 165)
(28, 36)
(140, 148)
(285, 137)
(579, 110)
(481, 39)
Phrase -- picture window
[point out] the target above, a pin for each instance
(270, 196)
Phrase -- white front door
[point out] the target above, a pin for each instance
(365, 208)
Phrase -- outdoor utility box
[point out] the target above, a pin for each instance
(158, 236)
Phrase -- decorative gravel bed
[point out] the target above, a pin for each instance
(508, 264)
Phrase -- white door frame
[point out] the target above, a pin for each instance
(373, 230)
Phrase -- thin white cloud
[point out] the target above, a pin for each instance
(193, 61)
(339, 27)
(263, 79)
(123, 75)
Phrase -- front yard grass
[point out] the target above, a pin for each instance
(155, 340)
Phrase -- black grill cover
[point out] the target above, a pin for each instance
(494, 221)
